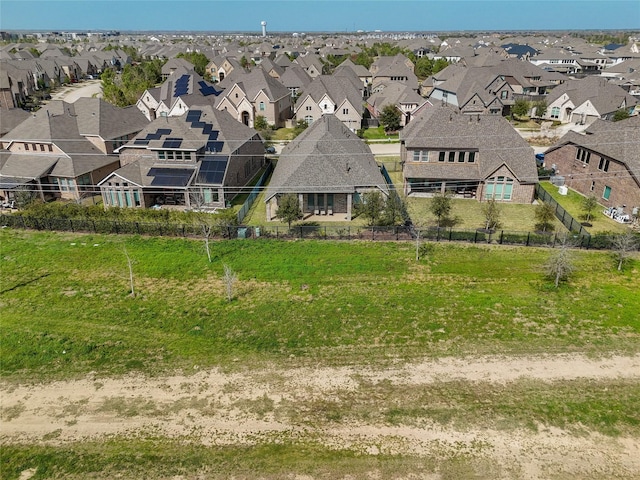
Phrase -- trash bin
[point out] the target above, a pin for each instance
(242, 233)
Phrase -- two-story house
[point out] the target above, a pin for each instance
(471, 156)
(200, 160)
(604, 162)
(327, 94)
(256, 93)
(63, 150)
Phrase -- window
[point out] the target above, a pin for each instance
(603, 164)
(472, 157)
(308, 119)
(26, 146)
(262, 106)
(498, 188)
(452, 156)
(441, 156)
(461, 157)
(555, 112)
(345, 111)
(416, 155)
(504, 94)
(607, 192)
(593, 186)
(161, 154)
(50, 147)
(308, 108)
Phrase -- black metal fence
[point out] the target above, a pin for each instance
(248, 203)
(319, 232)
(565, 217)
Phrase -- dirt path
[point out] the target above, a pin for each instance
(218, 408)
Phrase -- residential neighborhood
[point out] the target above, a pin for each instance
(456, 125)
(296, 240)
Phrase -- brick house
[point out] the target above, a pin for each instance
(472, 156)
(603, 162)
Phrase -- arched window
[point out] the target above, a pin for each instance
(308, 119)
(262, 106)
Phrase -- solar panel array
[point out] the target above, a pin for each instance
(182, 86)
(172, 143)
(212, 169)
(213, 144)
(207, 90)
(170, 177)
(152, 136)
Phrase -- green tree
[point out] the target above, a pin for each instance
(544, 215)
(620, 115)
(423, 68)
(199, 61)
(244, 63)
(372, 207)
(440, 65)
(440, 206)
(261, 123)
(289, 208)
(589, 204)
(301, 126)
(395, 209)
(521, 108)
(540, 108)
(390, 118)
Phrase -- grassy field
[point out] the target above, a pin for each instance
(326, 300)
(68, 316)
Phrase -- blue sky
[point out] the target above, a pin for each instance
(319, 15)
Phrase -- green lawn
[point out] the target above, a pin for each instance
(572, 203)
(310, 299)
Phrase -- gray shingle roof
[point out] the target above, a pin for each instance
(326, 157)
(492, 136)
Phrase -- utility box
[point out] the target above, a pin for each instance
(563, 190)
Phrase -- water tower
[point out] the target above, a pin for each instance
(264, 28)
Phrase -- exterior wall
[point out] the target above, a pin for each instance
(352, 119)
(590, 180)
(314, 110)
(130, 155)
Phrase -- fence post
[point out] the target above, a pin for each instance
(528, 236)
(137, 228)
(348, 232)
(71, 225)
(450, 232)
(438, 235)
(501, 234)
(115, 227)
(300, 231)
(475, 237)
(373, 233)
(95, 230)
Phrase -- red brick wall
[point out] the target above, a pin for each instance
(624, 190)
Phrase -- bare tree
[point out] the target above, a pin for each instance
(130, 265)
(492, 212)
(623, 247)
(560, 264)
(589, 204)
(229, 279)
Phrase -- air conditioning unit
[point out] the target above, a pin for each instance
(563, 190)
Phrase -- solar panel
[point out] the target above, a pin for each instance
(212, 170)
(141, 141)
(193, 115)
(172, 143)
(207, 90)
(214, 146)
(170, 177)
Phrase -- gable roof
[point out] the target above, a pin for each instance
(444, 128)
(337, 88)
(326, 157)
(605, 96)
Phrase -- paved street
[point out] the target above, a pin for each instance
(70, 93)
